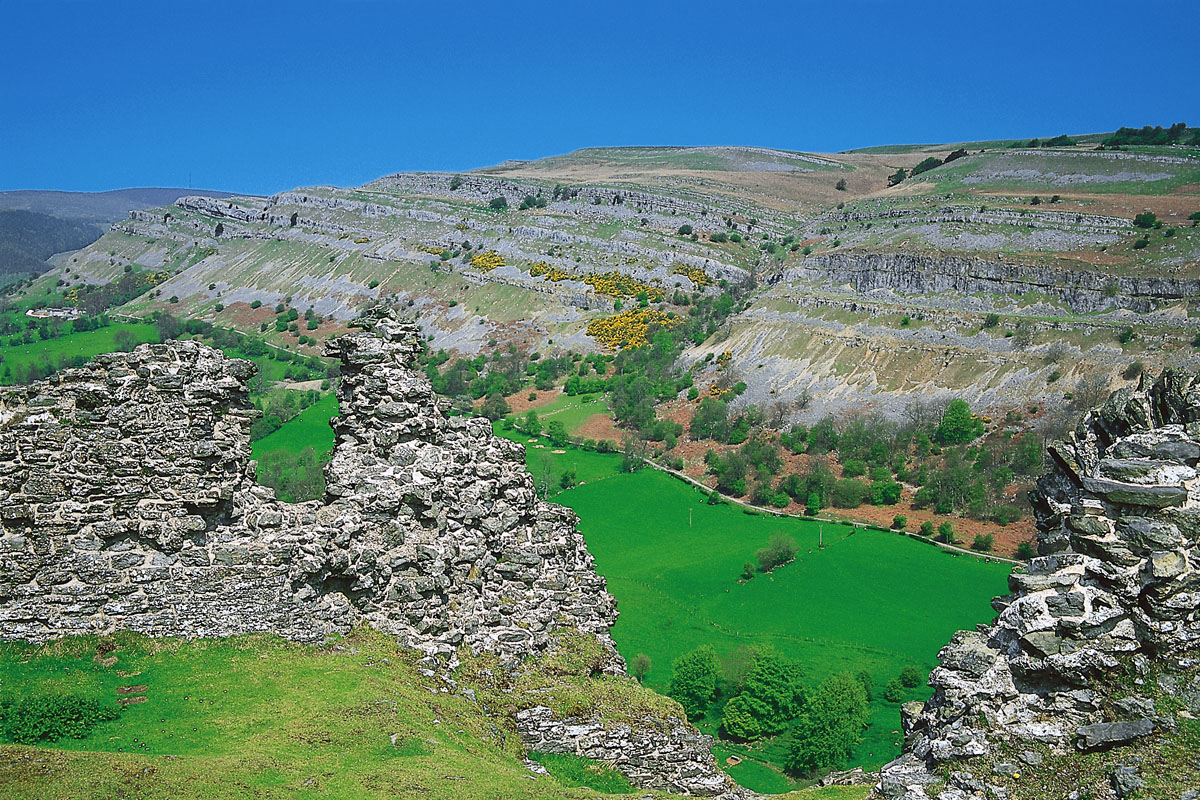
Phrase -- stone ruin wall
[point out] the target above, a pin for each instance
(128, 502)
(1116, 585)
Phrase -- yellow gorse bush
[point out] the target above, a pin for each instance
(696, 275)
(618, 284)
(431, 249)
(486, 262)
(629, 328)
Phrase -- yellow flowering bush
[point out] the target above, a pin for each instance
(629, 328)
(618, 284)
(431, 249)
(696, 275)
(486, 262)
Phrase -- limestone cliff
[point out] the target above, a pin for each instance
(1099, 644)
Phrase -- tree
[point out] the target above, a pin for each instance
(780, 550)
(841, 185)
(894, 692)
(556, 432)
(739, 720)
(946, 532)
(124, 340)
(495, 407)
(958, 425)
(896, 177)
(831, 726)
(640, 666)
(533, 425)
(167, 326)
(926, 165)
(748, 570)
(911, 676)
(498, 203)
(694, 680)
(1146, 219)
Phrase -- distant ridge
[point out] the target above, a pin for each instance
(109, 206)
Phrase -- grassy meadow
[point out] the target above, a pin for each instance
(868, 601)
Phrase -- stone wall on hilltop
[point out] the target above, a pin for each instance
(1116, 587)
(127, 501)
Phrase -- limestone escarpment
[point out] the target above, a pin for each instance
(128, 502)
(1080, 290)
(1115, 591)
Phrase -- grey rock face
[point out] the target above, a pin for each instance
(667, 755)
(1118, 576)
(921, 274)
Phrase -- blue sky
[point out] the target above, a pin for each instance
(261, 96)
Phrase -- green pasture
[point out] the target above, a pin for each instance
(87, 344)
(573, 410)
(309, 428)
(869, 600)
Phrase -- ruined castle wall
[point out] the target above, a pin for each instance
(127, 501)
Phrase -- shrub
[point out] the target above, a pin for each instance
(899, 522)
(1132, 371)
(49, 717)
(897, 176)
(831, 727)
(852, 468)
(256, 304)
(911, 676)
(894, 692)
(1025, 551)
(498, 203)
(991, 320)
(1142, 243)
(983, 543)
(841, 185)
(927, 528)
(694, 680)
(219, 307)
(1125, 336)
(946, 532)
(748, 571)
(780, 550)
(1145, 220)
(685, 230)
(926, 165)
(850, 493)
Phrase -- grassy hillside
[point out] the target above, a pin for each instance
(255, 716)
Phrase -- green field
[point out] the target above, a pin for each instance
(309, 428)
(573, 410)
(87, 344)
(870, 600)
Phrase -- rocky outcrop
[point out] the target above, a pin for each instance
(668, 755)
(128, 502)
(1116, 588)
(907, 273)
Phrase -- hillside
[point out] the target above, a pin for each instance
(796, 288)
(35, 224)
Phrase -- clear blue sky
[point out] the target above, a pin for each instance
(259, 96)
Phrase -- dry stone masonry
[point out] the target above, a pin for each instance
(128, 502)
(1116, 587)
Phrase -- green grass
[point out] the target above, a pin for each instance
(540, 458)
(309, 428)
(869, 600)
(255, 716)
(583, 772)
(87, 344)
(573, 410)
